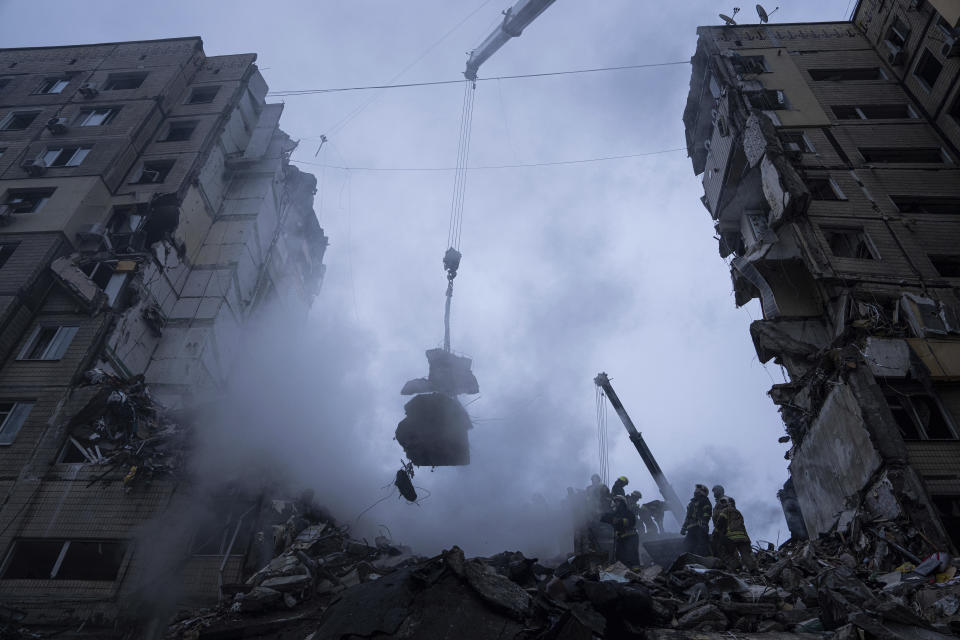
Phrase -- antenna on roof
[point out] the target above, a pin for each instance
(730, 21)
(764, 16)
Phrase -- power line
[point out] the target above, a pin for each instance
(496, 166)
(305, 92)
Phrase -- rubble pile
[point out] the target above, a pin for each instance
(849, 585)
(123, 428)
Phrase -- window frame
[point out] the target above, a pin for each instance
(915, 204)
(839, 196)
(115, 78)
(13, 115)
(201, 88)
(807, 146)
(862, 237)
(7, 249)
(55, 82)
(881, 75)
(77, 154)
(906, 403)
(54, 349)
(875, 155)
(163, 173)
(13, 419)
(83, 118)
(191, 125)
(124, 548)
(925, 57)
(45, 193)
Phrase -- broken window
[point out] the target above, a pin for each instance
(796, 141)
(849, 243)
(47, 343)
(203, 95)
(902, 154)
(749, 64)
(918, 415)
(928, 69)
(122, 229)
(947, 266)
(53, 85)
(65, 156)
(824, 189)
(6, 250)
(862, 73)
(152, 171)
(106, 276)
(18, 120)
(47, 559)
(766, 100)
(12, 417)
(121, 81)
(27, 200)
(179, 131)
(97, 117)
(926, 204)
(873, 112)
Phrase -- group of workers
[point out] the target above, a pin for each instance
(632, 521)
(729, 540)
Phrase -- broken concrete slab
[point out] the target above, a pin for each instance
(434, 433)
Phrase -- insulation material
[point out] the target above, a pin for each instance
(434, 433)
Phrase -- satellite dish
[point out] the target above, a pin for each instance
(730, 21)
(764, 16)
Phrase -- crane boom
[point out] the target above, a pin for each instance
(666, 490)
(515, 20)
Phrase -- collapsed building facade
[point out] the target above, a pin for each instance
(829, 159)
(148, 210)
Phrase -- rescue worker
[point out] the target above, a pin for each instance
(734, 541)
(696, 526)
(645, 525)
(625, 530)
(598, 503)
(656, 509)
(618, 486)
(718, 494)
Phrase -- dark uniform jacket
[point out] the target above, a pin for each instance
(730, 524)
(699, 513)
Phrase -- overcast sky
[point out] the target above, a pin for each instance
(567, 270)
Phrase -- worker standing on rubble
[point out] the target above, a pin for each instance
(627, 544)
(645, 525)
(618, 486)
(696, 525)
(598, 503)
(734, 541)
(716, 538)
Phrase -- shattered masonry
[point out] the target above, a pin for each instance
(829, 156)
(148, 211)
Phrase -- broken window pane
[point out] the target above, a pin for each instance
(849, 243)
(824, 189)
(766, 100)
(926, 204)
(931, 418)
(902, 415)
(796, 141)
(27, 200)
(902, 154)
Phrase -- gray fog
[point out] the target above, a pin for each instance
(568, 269)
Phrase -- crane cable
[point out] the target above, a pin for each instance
(602, 439)
(451, 259)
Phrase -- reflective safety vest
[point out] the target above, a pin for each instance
(730, 522)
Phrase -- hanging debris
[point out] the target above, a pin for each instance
(449, 374)
(404, 482)
(434, 433)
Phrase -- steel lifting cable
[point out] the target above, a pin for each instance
(451, 259)
(602, 439)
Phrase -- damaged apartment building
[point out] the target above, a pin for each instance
(148, 211)
(829, 161)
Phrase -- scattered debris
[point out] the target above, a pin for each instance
(122, 428)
